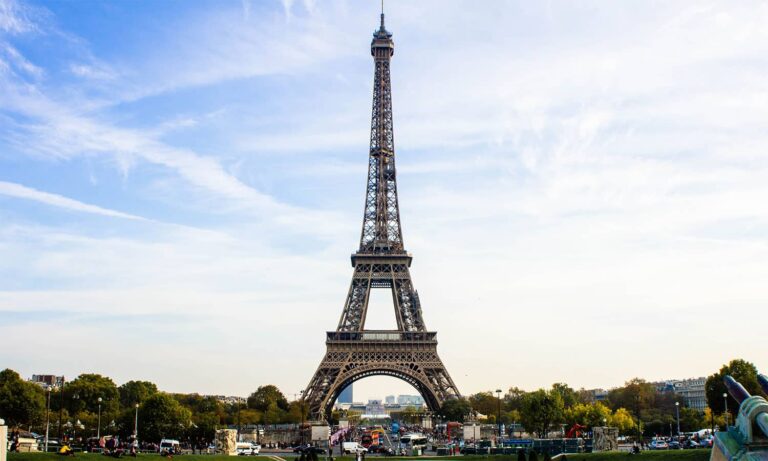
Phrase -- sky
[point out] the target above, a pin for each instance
(583, 186)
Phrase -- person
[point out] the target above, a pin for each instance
(15, 440)
(66, 450)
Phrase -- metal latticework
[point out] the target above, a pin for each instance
(381, 262)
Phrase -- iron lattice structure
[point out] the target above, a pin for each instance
(410, 352)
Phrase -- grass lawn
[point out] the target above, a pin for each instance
(672, 455)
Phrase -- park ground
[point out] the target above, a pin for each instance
(671, 455)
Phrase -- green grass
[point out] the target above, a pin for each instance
(661, 455)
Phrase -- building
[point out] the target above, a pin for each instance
(389, 400)
(693, 392)
(346, 395)
(415, 400)
(46, 381)
(598, 395)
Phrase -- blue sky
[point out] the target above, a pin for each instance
(583, 186)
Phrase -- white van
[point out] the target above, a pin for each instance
(247, 448)
(352, 447)
(169, 446)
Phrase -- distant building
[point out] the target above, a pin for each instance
(374, 410)
(415, 400)
(46, 381)
(390, 400)
(346, 395)
(693, 392)
(228, 399)
(597, 395)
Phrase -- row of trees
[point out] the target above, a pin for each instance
(75, 409)
(637, 405)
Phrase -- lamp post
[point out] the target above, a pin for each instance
(47, 415)
(98, 424)
(61, 407)
(677, 413)
(136, 422)
(725, 399)
(74, 420)
(498, 420)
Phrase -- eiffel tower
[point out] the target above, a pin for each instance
(410, 352)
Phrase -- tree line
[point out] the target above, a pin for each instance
(74, 409)
(637, 407)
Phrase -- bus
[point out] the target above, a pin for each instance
(414, 440)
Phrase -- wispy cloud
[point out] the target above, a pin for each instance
(17, 190)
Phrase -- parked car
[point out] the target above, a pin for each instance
(690, 443)
(659, 444)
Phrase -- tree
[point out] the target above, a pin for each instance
(622, 419)
(484, 403)
(21, 402)
(637, 394)
(589, 414)
(743, 372)
(569, 396)
(83, 394)
(540, 410)
(410, 415)
(456, 409)
(162, 416)
(134, 392)
(265, 396)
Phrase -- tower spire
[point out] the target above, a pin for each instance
(381, 217)
(382, 15)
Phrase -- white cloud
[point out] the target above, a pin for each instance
(17, 190)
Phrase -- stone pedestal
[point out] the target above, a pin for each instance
(3, 444)
(605, 439)
(226, 442)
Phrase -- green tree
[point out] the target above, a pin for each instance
(134, 392)
(162, 416)
(569, 396)
(409, 415)
(484, 403)
(743, 372)
(456, 409)
(636, 394)
(265, 396)
(513, 398)
(540, 410)
(21, 403)
(83, 394)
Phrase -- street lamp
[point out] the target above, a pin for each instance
(604, 422)
(74, 412)
(725, 399)
(47, 415)
(98, 424)
(136, 422)
(677, 412)
(498, 421)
